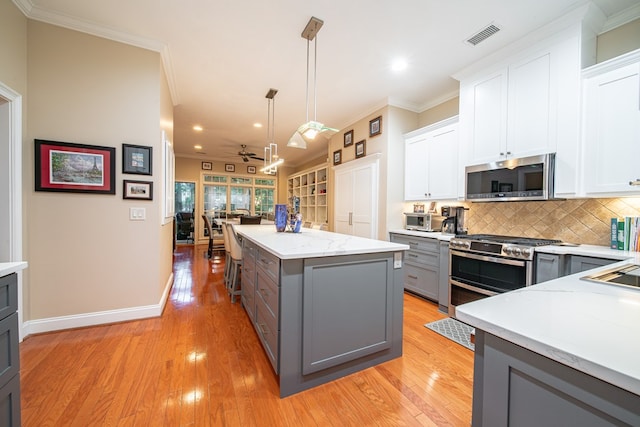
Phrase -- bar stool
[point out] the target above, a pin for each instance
(236, 263)
(227, 255)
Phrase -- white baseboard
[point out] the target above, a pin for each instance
(99, 317)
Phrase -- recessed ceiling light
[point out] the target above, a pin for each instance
(399, 65)
(257, 125)
(198, 147)
(197, 128)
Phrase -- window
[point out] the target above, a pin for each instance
(224, 195)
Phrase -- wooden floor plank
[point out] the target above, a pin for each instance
(201, 364)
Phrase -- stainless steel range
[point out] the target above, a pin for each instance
(483, 265)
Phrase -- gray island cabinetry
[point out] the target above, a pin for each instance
(559, 353)
(323, 304)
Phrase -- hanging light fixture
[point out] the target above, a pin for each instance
(312, 128)
(271, 159)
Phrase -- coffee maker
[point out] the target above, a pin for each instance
(454, 219)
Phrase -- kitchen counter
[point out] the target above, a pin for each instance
(589, 327)
(428, 234)
(311, 243)
(586, 250)
(7, 268)
(324, 305)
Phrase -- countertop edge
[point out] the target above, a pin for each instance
(7, 268)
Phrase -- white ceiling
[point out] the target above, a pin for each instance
(222, 56)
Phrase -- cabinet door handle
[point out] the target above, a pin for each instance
(350, 218)
(413, 255)
(263, 329)
(412, 277)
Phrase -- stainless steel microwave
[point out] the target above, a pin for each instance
(526, 178)
(423, 221)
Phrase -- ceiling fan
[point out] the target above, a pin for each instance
(247, 155)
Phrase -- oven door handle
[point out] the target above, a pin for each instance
(516, 262)
(472, 288)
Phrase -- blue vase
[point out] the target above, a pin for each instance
(280, 217)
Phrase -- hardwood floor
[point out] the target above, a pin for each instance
(201, 364)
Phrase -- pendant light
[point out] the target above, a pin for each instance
(271, 159)
(312, 128)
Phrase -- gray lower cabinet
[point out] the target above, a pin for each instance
(552, 266)
(9, 352)
(421, 265)
(443, 279)
(319, 319)
(513, 386)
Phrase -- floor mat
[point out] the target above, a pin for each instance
(454, 330)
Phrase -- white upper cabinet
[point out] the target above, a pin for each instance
(611, 124)
(431, 162)
(525, 100)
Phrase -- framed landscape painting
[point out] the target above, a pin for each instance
(78, 168)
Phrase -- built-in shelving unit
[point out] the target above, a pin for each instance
(311, 187)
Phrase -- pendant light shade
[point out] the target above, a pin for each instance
(312, 128)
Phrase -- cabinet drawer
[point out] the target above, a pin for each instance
(249, 251)
(423, 281)
(10, 403)
(422, 258)
(9, 350)
(8, 295)
(267, 328)
(268, 292)
(424, 244)
(248, 297)
(269, 263)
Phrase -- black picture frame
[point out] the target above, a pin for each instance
(74, 168)
(375, 126)
(207, 166)
(348, 138)
(137, 159)
(361, 148)
(251, 169)
(337, 157)
(138, 190)
(229, 167)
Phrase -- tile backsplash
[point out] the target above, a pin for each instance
(585, 221)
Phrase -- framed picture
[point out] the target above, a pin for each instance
(361, 149)
(337, 157)
(375, 126)
(348, 138)
(137, 159)
(207, 166)
(251, 169)
(141, 190)
(229, 167)
(78, 168)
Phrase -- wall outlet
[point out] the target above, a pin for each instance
(137, 214)
(397, 260)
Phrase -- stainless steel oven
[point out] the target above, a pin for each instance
(481, 266)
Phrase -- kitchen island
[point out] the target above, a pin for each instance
(563, 352)
(323, 304)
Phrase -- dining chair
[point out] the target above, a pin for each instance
(246, 219)
(236, 263)
(207, 225)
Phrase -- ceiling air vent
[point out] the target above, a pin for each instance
(483, 34)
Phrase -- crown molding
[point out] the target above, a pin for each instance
(36, 13)
(619, 19)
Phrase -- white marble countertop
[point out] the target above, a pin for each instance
(586, 250)
(428, 234)
(591, 327)
(310, 243)
(7, 268)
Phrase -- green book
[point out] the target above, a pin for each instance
(621, 234)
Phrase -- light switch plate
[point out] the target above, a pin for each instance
(137, 214)
(397, 260)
